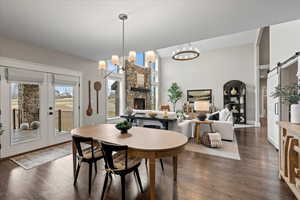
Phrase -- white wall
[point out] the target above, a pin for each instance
(284, 41)
(211, 71)
(264, 47)
(28, 52)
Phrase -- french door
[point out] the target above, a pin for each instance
(38, 109)
(63, 106)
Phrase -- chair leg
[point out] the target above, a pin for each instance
(77, 172)
(123, 186)
(104, 185)
(95, 166)
(162, 164)
(90, 177)
(139, 179)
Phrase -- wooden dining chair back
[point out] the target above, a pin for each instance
(165, 108)
(88, 151)
(78, 141)
(119, 163)
(109, 150)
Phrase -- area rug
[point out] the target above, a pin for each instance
(40, 157)
(228, 150)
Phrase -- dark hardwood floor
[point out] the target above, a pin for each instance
(200, 177)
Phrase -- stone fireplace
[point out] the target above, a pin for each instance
(138, 95)
(139, 103)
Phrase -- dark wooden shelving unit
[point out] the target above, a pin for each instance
(235, 94)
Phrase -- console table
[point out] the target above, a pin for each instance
(164, 121)
(289, 155)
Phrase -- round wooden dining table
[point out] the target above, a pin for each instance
(142, 142)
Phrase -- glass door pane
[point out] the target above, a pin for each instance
(64, 109)
(113, 98)
(25, 112)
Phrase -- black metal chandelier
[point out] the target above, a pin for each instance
(186, 53)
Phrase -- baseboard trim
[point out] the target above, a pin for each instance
(272, 143)
(255, 123)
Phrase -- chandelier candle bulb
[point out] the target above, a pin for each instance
(150, 56)
(102, 65)
(115, 60)
(132, 56)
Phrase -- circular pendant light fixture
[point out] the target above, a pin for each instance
(186, 53)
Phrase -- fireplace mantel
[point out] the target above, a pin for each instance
(140, 89)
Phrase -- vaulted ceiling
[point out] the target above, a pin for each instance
(91, 29)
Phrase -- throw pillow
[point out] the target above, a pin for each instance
(214, 116)
(225, 115)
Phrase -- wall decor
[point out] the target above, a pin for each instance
(199, 95)
(97, 87)
(89, 110)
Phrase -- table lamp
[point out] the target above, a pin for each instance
(203, 108)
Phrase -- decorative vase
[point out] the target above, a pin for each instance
(124, 131)
(129, 111)
(165, 115)
(233, 91)
(295, 113)
(201, 116)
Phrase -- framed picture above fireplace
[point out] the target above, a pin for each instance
(199, 95)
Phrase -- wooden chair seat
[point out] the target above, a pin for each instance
(119, 161)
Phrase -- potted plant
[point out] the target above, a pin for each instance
(290, 95)
(175, 94)
(124, 126)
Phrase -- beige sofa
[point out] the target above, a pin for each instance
(186, 127)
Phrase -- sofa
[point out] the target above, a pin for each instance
(186, 127)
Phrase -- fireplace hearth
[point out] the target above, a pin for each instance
(139, 103)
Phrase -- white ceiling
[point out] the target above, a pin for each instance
(91, 29)
(235, 39)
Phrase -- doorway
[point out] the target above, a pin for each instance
(263, 96)
(39, 109)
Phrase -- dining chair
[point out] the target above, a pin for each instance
(119, 163)
(90, 155)
(146, 160)
(165, 108)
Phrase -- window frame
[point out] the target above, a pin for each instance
(120, 78)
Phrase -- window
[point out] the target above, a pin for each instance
(64, 112)
(140, 59)
(25, 110)
(154, 85)
(113, 98)
(111, 67)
